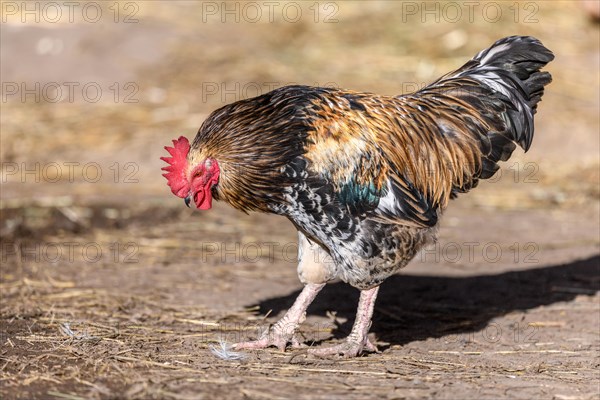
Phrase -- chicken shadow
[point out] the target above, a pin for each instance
(411, 307)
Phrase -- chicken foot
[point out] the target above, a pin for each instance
(284, 330)
(358, 340)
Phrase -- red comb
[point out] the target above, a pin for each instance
(177, 167)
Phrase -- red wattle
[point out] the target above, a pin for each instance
(204, 200)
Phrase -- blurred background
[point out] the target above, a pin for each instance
(114, 83)
(92, 91)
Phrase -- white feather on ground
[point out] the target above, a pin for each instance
(223, 351)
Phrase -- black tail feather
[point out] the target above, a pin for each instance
(511, 66)
(504, 84)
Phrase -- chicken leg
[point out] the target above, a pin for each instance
(284, 330)
(357, 340)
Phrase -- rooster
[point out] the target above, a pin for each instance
(364, 178)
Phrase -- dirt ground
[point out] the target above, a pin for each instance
(111, 288)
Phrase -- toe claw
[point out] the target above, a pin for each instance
(369, 346)
(297, 344)
(347, 349)
(254, 344)
(272, 337)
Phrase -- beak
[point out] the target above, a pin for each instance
(187, 200)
